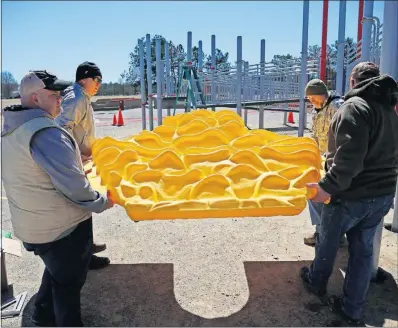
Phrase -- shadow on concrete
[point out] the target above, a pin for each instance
(143, 295)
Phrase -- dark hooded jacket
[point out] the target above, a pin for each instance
(362, 158)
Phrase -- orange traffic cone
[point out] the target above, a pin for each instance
(120, 121)
(114, 120)
(290, 118)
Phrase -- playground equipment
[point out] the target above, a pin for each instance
(264, 86)
(272, 86)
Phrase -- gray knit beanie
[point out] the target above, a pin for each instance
(316, 87)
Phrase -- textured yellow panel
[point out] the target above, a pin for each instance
(206, 164)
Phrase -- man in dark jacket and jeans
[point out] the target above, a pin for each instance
(361, 176)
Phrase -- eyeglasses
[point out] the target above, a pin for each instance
(97, 79)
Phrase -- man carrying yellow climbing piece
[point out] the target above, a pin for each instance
(326, 103)
(77, 118)
(50, 199)
(360, 181)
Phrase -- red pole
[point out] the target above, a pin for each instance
(324, 40)
(360, 17)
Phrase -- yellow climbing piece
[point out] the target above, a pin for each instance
(206, 164)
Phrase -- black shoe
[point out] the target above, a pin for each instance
(336, 305)
(98, 248)
(317, 291)
(98, 262)
(43, 316)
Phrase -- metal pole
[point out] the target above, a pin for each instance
(388, 65)
(239, 76)
(189, 47)
(200, 68)
(167, 61)
(340, 49)
(367, 30)
(303, 77)
(149, 79)
(376, 249)
(394, 226)
(360, 17)
(262, 76)
(389, 44)
(200, 57)
(142, 83)
(159, 80)
(213, 70)
(246, 86)
(324, 39)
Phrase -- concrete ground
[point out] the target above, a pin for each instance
(206, 272)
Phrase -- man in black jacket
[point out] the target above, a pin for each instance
(361, 176)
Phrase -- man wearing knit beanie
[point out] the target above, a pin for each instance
(360, 182)
(325, 106)
(77, 117)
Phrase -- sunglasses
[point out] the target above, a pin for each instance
(97, 79)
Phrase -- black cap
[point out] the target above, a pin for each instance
(51, 81)
(34, 81)
(87, 69)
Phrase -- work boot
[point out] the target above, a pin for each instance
(98, 262)
(98, 248)
(43, 316)
(336, 305)
(317, 291)
(311, 240)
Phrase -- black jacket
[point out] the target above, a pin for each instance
(362, 158)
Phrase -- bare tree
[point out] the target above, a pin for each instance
(8, 84)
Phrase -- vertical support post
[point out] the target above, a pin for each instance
(168, 69)
(149, 79)
(359, 35)
(340, 49)
(367, 30)
(239, 76)
(246, 88)
(200, 69)
(360, 17)
(303, 77)
(189, 47)
(213, 71)
(142, 83)
(324, 39)
(394, 226)
(159, 80)
(262, 77)
(376, 249)
(388, 65)
(389, 44)
(200, 57)
(285, 114)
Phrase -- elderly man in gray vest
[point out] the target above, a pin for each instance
(77, 117)
(50, 199)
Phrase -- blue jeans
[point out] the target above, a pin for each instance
(66, 264)
(315, 214)
(358, 220)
